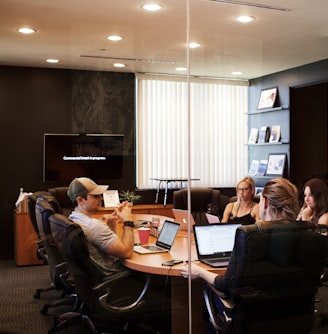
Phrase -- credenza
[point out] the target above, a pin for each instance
(25, 241)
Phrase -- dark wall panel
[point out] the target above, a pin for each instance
(34, 101)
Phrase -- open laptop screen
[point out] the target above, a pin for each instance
(167, 234)
(215, 239)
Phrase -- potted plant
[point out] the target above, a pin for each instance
(129, 196)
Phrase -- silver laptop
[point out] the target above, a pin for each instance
(214, 243)
(164, 241)
(182, 216)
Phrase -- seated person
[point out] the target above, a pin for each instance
(315, 207)
(279, 202)
(105, 247)
(245, 210)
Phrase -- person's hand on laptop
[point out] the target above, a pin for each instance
(197, 272)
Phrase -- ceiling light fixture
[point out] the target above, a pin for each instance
(137, 60)
(250, 4)
(236, 73)
(52, 61)
(194, 45)
(119, 65)
(245, 18)
(26, 30)
(114, 38)
(152, 7)
(181, 69)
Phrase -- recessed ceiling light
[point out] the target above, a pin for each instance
(114, 38)
(181, 69)
(26, 30)
(194, 45)
(52, 61)
(152, 7)
(119, 65)
(237, 73)
(245, 18)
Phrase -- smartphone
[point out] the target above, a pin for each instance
(171, 263)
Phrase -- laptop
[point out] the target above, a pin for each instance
(214, 243)
(164, 241)
(212, 219)
(181, 216)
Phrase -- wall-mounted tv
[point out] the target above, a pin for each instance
(97, 156)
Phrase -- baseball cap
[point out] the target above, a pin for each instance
(82, 186)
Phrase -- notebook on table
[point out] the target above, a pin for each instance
(214, 243)
(164, 241)
(181, 216)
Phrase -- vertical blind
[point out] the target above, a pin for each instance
(218, 131)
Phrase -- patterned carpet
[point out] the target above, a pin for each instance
(20, 311)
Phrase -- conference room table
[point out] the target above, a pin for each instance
(152, 264)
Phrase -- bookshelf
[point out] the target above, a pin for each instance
(260, 151)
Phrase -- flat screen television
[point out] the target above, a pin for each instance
(97, 156)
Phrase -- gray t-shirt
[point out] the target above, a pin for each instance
(99, 237)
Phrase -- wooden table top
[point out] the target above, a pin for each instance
(152, 263)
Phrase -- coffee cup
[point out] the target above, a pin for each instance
(143, 233)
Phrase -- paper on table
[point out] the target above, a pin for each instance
(111, 198)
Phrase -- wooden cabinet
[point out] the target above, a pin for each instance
(152, 209)
(25, 241)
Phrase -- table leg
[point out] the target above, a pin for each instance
(158, 187)
(165, 195)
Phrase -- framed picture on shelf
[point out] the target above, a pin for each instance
(267, 98)
(258, 191)
(275, 134)
(276, 164)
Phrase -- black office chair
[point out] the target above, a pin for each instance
(322, 318)
(107, 302)
(203, 200)
(271, 280)
(31, 202)
(60, 193)
(58, 269)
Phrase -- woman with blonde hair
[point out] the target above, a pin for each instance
(279, 201)
(245, 210)
(278, 204)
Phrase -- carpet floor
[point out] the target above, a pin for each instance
(20, 311)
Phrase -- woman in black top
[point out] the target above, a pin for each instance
(245, 210)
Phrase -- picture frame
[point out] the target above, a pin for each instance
(111, 198)
(267, 98)
(258, 191)
(276, 164)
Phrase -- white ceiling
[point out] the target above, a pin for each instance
(75, 32)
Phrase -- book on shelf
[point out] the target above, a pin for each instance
(275, 134)
(264, 134)
(262, 168)
(253, 167)
(253, 136)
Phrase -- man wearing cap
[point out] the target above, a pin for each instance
(105, 247)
